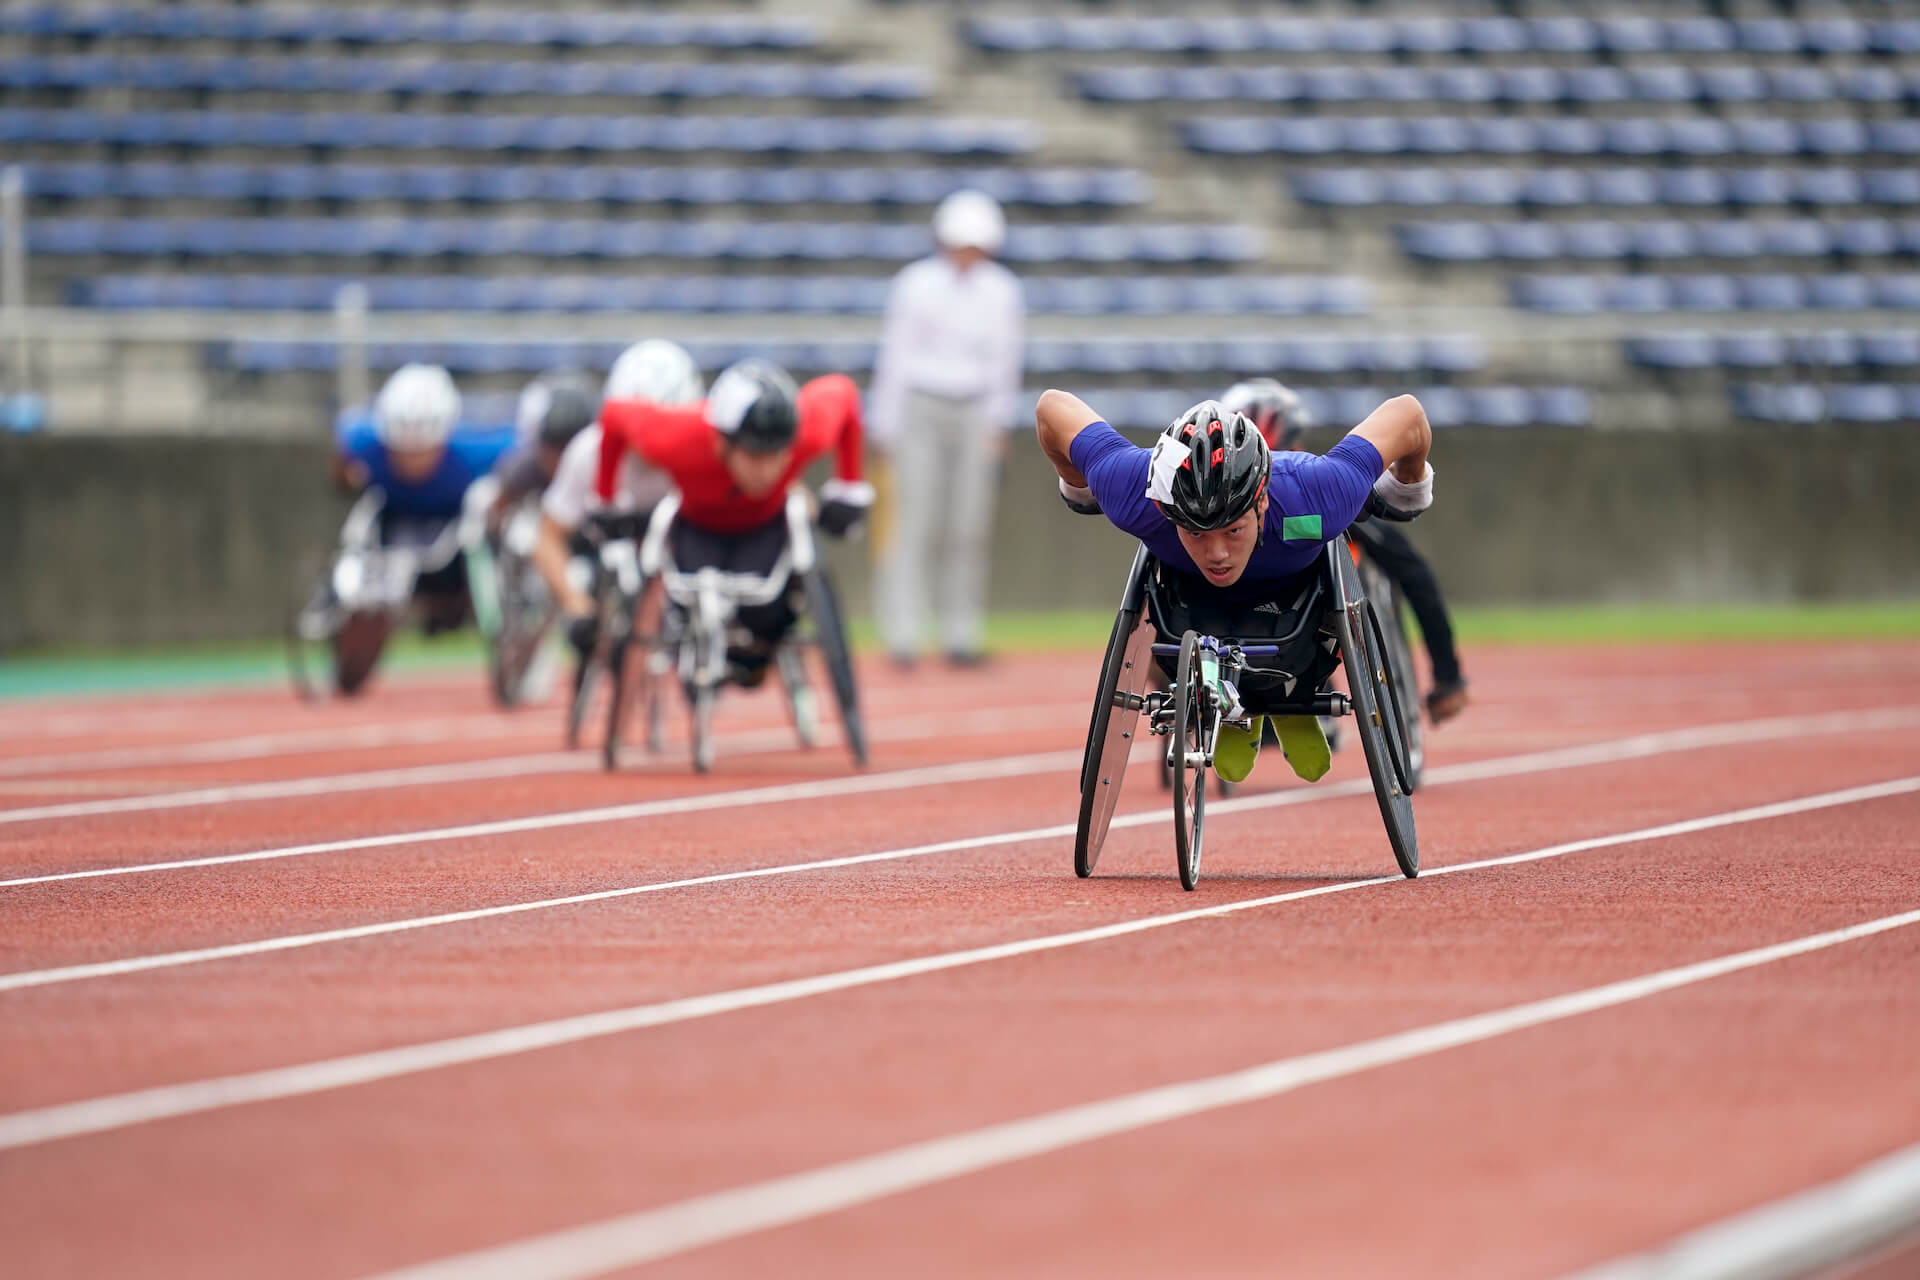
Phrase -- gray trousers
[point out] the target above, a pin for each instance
(945, 472)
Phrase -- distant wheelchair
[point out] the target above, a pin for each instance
(515, 609)
(702, 637)
(339, 630)
(1331, 606)
(625, 657)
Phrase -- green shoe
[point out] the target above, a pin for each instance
(1235, 751)
(1305, 745)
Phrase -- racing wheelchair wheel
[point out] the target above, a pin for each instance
(1117, 704)
(801, 706)
(1385, 600)
(309, 641)
(823, 605)
(526, 615)
(1187, 750)
(1375, 711)
(586, 682)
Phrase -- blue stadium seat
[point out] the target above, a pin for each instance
(1768, 35)
(1439, 135)
(1558, 187)
(1755, 349)
(1667, 83)
(1865, 402)
(1896, 291)
(1779, 402)
(1448, 241)
(1596, 241)
(1699, 35)
(1493, 36)
(1674, 351)
(1729, 238)
(1864, 238)
(1561, 295)
(1890, 349)
(1340, 187)
(1563, 35)
(1692, 187)
(1463, 84)
(1531, 85)
(1505, 135)
(1704, 292)
(1644, 294)
(1631, 35)
(1500, 406)
(1759, 186)
(1826, 348)
(1596, 85)
(1569, 136)
(1897, 137)
(1773, 293)
(1842, 136)
(1699, 136)
(1765, 136)
(1624, 187)
(1527, 241)
(1734, 84)
(1890, 186)
(1562, 407)
(1848, 292)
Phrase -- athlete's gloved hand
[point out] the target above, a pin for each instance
(583, 633)
(843, 505)
(1079, 499)
(1398, 500)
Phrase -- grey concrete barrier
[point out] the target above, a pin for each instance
(159, 540)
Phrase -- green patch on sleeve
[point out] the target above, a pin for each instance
(1295, 528)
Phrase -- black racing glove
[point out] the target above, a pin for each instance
(583, 633)
(843, 505)
(1079, 501)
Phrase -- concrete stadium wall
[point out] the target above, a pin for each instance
(145, 540)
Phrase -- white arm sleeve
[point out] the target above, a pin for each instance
(570, 496)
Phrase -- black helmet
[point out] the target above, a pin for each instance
(571, 406)
(1209, 468)
(1273, 407)
(755, 405)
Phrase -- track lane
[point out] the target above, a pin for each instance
(707, 1105)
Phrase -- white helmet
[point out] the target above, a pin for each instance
(417, 408)
(657, 370)
(970, 220)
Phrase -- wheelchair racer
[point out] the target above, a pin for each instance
(1238, 531)
(409, 450)
(554, 408)
(1276, 409)
(734, 457)
(574, 519)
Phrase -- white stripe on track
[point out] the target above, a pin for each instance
(1478, 770)
(741, 742)
(1617, 750)
(824, 788)
(117, 1111)
(260, 746)
(1793, 1237)
(651, 1234)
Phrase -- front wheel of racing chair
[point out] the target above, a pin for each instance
(830, 634)
(1117, 702)
(1379, 716)
(1384, 596)
(337, 632)
(1196, 720)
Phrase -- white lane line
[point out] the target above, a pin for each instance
(1637, 747)
(651, 1234)
(819, 789)
(1792, 1237)
(1479, 770)
(261, 746)
(742, 742)
(116, 1111)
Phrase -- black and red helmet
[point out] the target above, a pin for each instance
(1209, 468)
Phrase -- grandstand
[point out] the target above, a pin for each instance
(1685, 214)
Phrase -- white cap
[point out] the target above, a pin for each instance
(657, 370)
(417, 408)
(970, 220)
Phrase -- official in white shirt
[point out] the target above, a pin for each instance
(945, 392)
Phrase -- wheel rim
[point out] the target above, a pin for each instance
(1103, 776)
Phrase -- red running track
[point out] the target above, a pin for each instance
(1531, 1153)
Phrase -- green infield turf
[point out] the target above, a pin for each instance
(66, 673)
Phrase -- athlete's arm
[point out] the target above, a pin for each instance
(550, 556)
(674, 439)
(1059, 417)
(1399, 430)
(835, 398)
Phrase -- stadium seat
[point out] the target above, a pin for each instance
(1674, 351)
(1865, 402)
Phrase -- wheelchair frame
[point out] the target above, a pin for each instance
(1188, 714)
(709, 599)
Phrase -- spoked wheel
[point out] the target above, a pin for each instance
(622, 665)
(1191, 701)
(357, 646)
(1390, 618)
(1117, 704)
(586, 682)
(802, 708)
(310, 646)
(525, 616)
(702, 708)
(1363, 651)
(823, 606)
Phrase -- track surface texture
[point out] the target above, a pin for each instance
(397, 984)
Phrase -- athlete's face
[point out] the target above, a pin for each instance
(755, 474)
(1222, 554)
(415, 465)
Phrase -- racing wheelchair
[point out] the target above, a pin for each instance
(624, 657)
(1331, 606)
(701, 635)
(338, 631)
